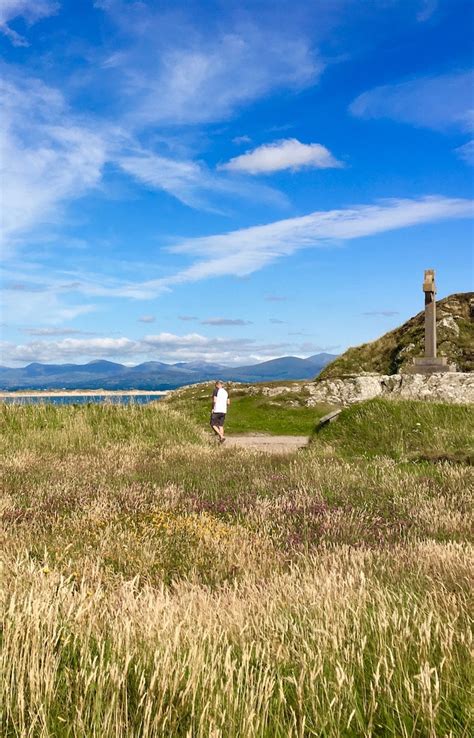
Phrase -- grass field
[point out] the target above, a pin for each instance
(153, 584)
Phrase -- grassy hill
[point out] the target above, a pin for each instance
(395, 349)
(154, 585)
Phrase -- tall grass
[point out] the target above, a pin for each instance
(154, 585)
(403, 428)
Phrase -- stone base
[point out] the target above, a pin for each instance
(429, 365)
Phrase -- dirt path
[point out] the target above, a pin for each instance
(270, 444)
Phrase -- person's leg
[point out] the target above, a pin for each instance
(217, 430)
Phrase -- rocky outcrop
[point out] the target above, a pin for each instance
(451, 387)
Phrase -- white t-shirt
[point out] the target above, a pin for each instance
(220, 401)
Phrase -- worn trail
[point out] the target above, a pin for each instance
(270, 444)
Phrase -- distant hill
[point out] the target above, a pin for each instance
(154, 374)
(394, 350)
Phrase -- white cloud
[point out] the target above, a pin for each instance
(191, 182)
(163, 346)
(440, 102)
(288, 153)
(30, 10)
(146, 319)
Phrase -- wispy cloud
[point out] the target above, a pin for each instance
(276, 298)
(276, 321)
(226, 321)
(49, 306)
(50, 157)
(57, 332)
(288, 153)
(146, 319)
(427, 10)
(192, 183)
(384, 313)
(246, 250)
(173, 73)
(30, 10)
(47, 157)
(440, 102)
(241, 139)
(466, 152)
(187, 318)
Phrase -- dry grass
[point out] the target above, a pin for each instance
(153, 585)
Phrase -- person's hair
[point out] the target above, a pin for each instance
(219, 381)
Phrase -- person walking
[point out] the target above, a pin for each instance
(220, 403)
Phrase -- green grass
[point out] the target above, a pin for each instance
(402, 430)
(283, 414)
(154, 585)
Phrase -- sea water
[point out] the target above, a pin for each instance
(125, 399)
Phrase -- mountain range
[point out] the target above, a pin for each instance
(108, 375)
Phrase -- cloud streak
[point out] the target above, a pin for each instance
(247, 250)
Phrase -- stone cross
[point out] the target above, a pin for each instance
(429, 288)
(429, 363)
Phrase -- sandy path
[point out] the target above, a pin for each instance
(271, 444)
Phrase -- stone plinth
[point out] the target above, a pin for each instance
(429, 365)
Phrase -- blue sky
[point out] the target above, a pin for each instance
(229, 181)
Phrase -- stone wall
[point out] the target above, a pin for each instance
(455, 387)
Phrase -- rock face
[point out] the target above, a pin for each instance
(393, 352)
(456, 388)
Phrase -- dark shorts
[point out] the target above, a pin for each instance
(217, 419)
